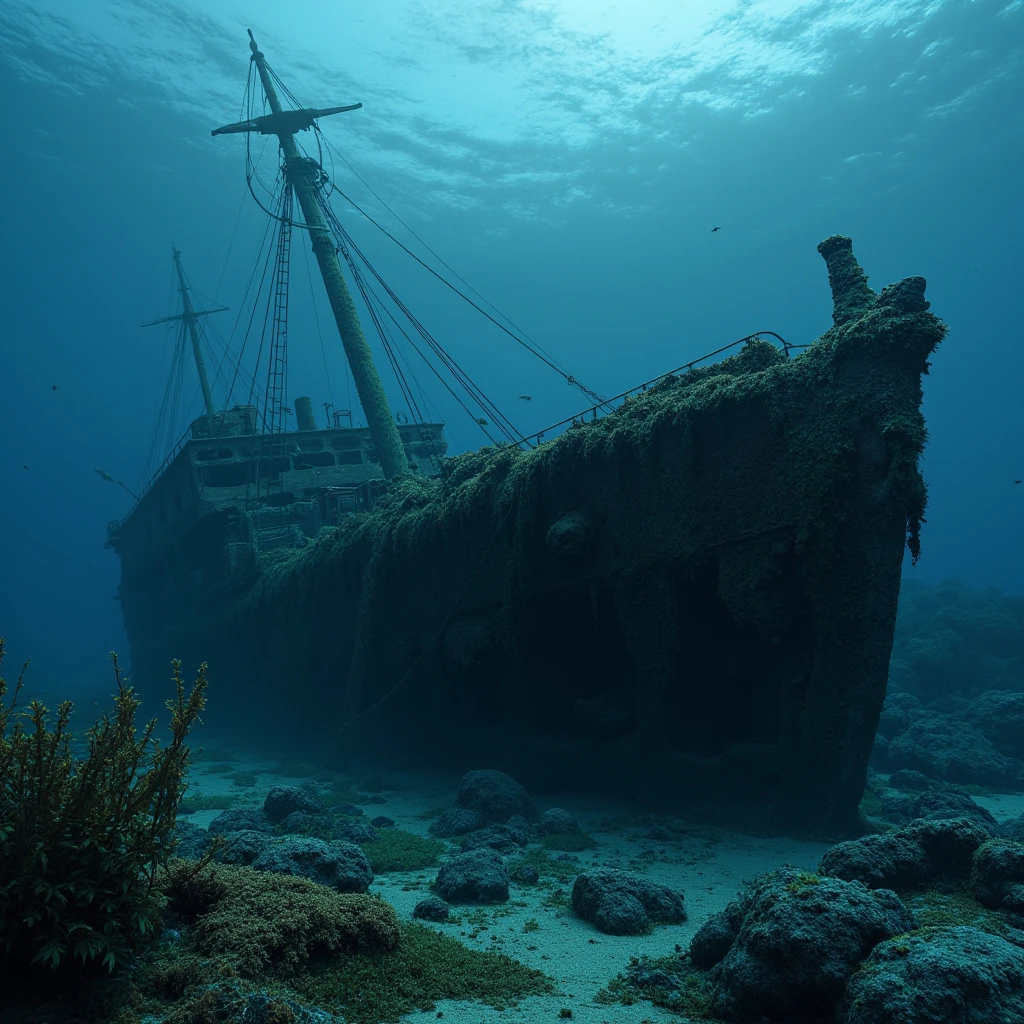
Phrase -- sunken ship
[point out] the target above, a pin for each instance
(688, 594)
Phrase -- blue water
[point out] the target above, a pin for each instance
(568, 158)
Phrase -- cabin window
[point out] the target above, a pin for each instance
(235, 474)
(352, 458)
(311, 460)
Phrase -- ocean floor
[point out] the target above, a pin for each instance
(536, 926)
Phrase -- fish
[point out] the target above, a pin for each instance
(24, 467)
(483, 422)
(106, 476)
(54, 388)
(526, 398)
(713, 230)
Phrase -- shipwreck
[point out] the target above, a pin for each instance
(688, 595)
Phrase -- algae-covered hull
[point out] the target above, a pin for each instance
(691, 599)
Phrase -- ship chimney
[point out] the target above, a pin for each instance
(304, 414)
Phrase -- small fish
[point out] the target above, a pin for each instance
(54, 388)
(483, 422)
(24, 467)
(526, 398)
(106, 476)
(1015, 481)
(713, 230)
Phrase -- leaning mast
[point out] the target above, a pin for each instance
(299, 174)
(189, 315)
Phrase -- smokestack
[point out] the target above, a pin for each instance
(304, 414)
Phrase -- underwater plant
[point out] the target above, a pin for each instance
(82, 837)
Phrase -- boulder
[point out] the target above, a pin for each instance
(300, 823)
(935, 802)
(621, 903)
(433, 908)
(494, 795)
(495, 837)
(190, 840)
(997, 877)
(456, 821)
(957, 975)
(282, 801)
(802, 938)
(554, 821)
(479, 875)
(1014, 829)
(909, 780)
(339, 866)
(240, 819)
(716, 935)
(243, 847)
(924, 853)
(981, 741)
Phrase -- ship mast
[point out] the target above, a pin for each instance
(300, 174)
(190, 317)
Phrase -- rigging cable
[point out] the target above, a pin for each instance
(443, 263)
(345, 242)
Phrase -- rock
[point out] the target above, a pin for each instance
(801, 939)
(957, 975)
(433, 908)
(554, 821)
(495, 795)
(643, 976)
(282, 801)
(1014, 829)
(354, 831)
(879, 752)
(317, 823)
(910, 780)
(620, 903)
(339, 866)
(496, 837)
(243, 847)
(935, 801)
(521, 829)
(943, 801)
(479, 875)
(351, 809)
(524, 873)
(456, 821)
(715, 937)
(191, 841)
(240, 819)
(999, 716)
(981, 741)
(997, 878)
(932, 853)
(382, 822)
(893, 720)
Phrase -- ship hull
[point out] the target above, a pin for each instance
(690, 601)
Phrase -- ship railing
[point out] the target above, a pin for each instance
(608, 406)
(171, 456)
